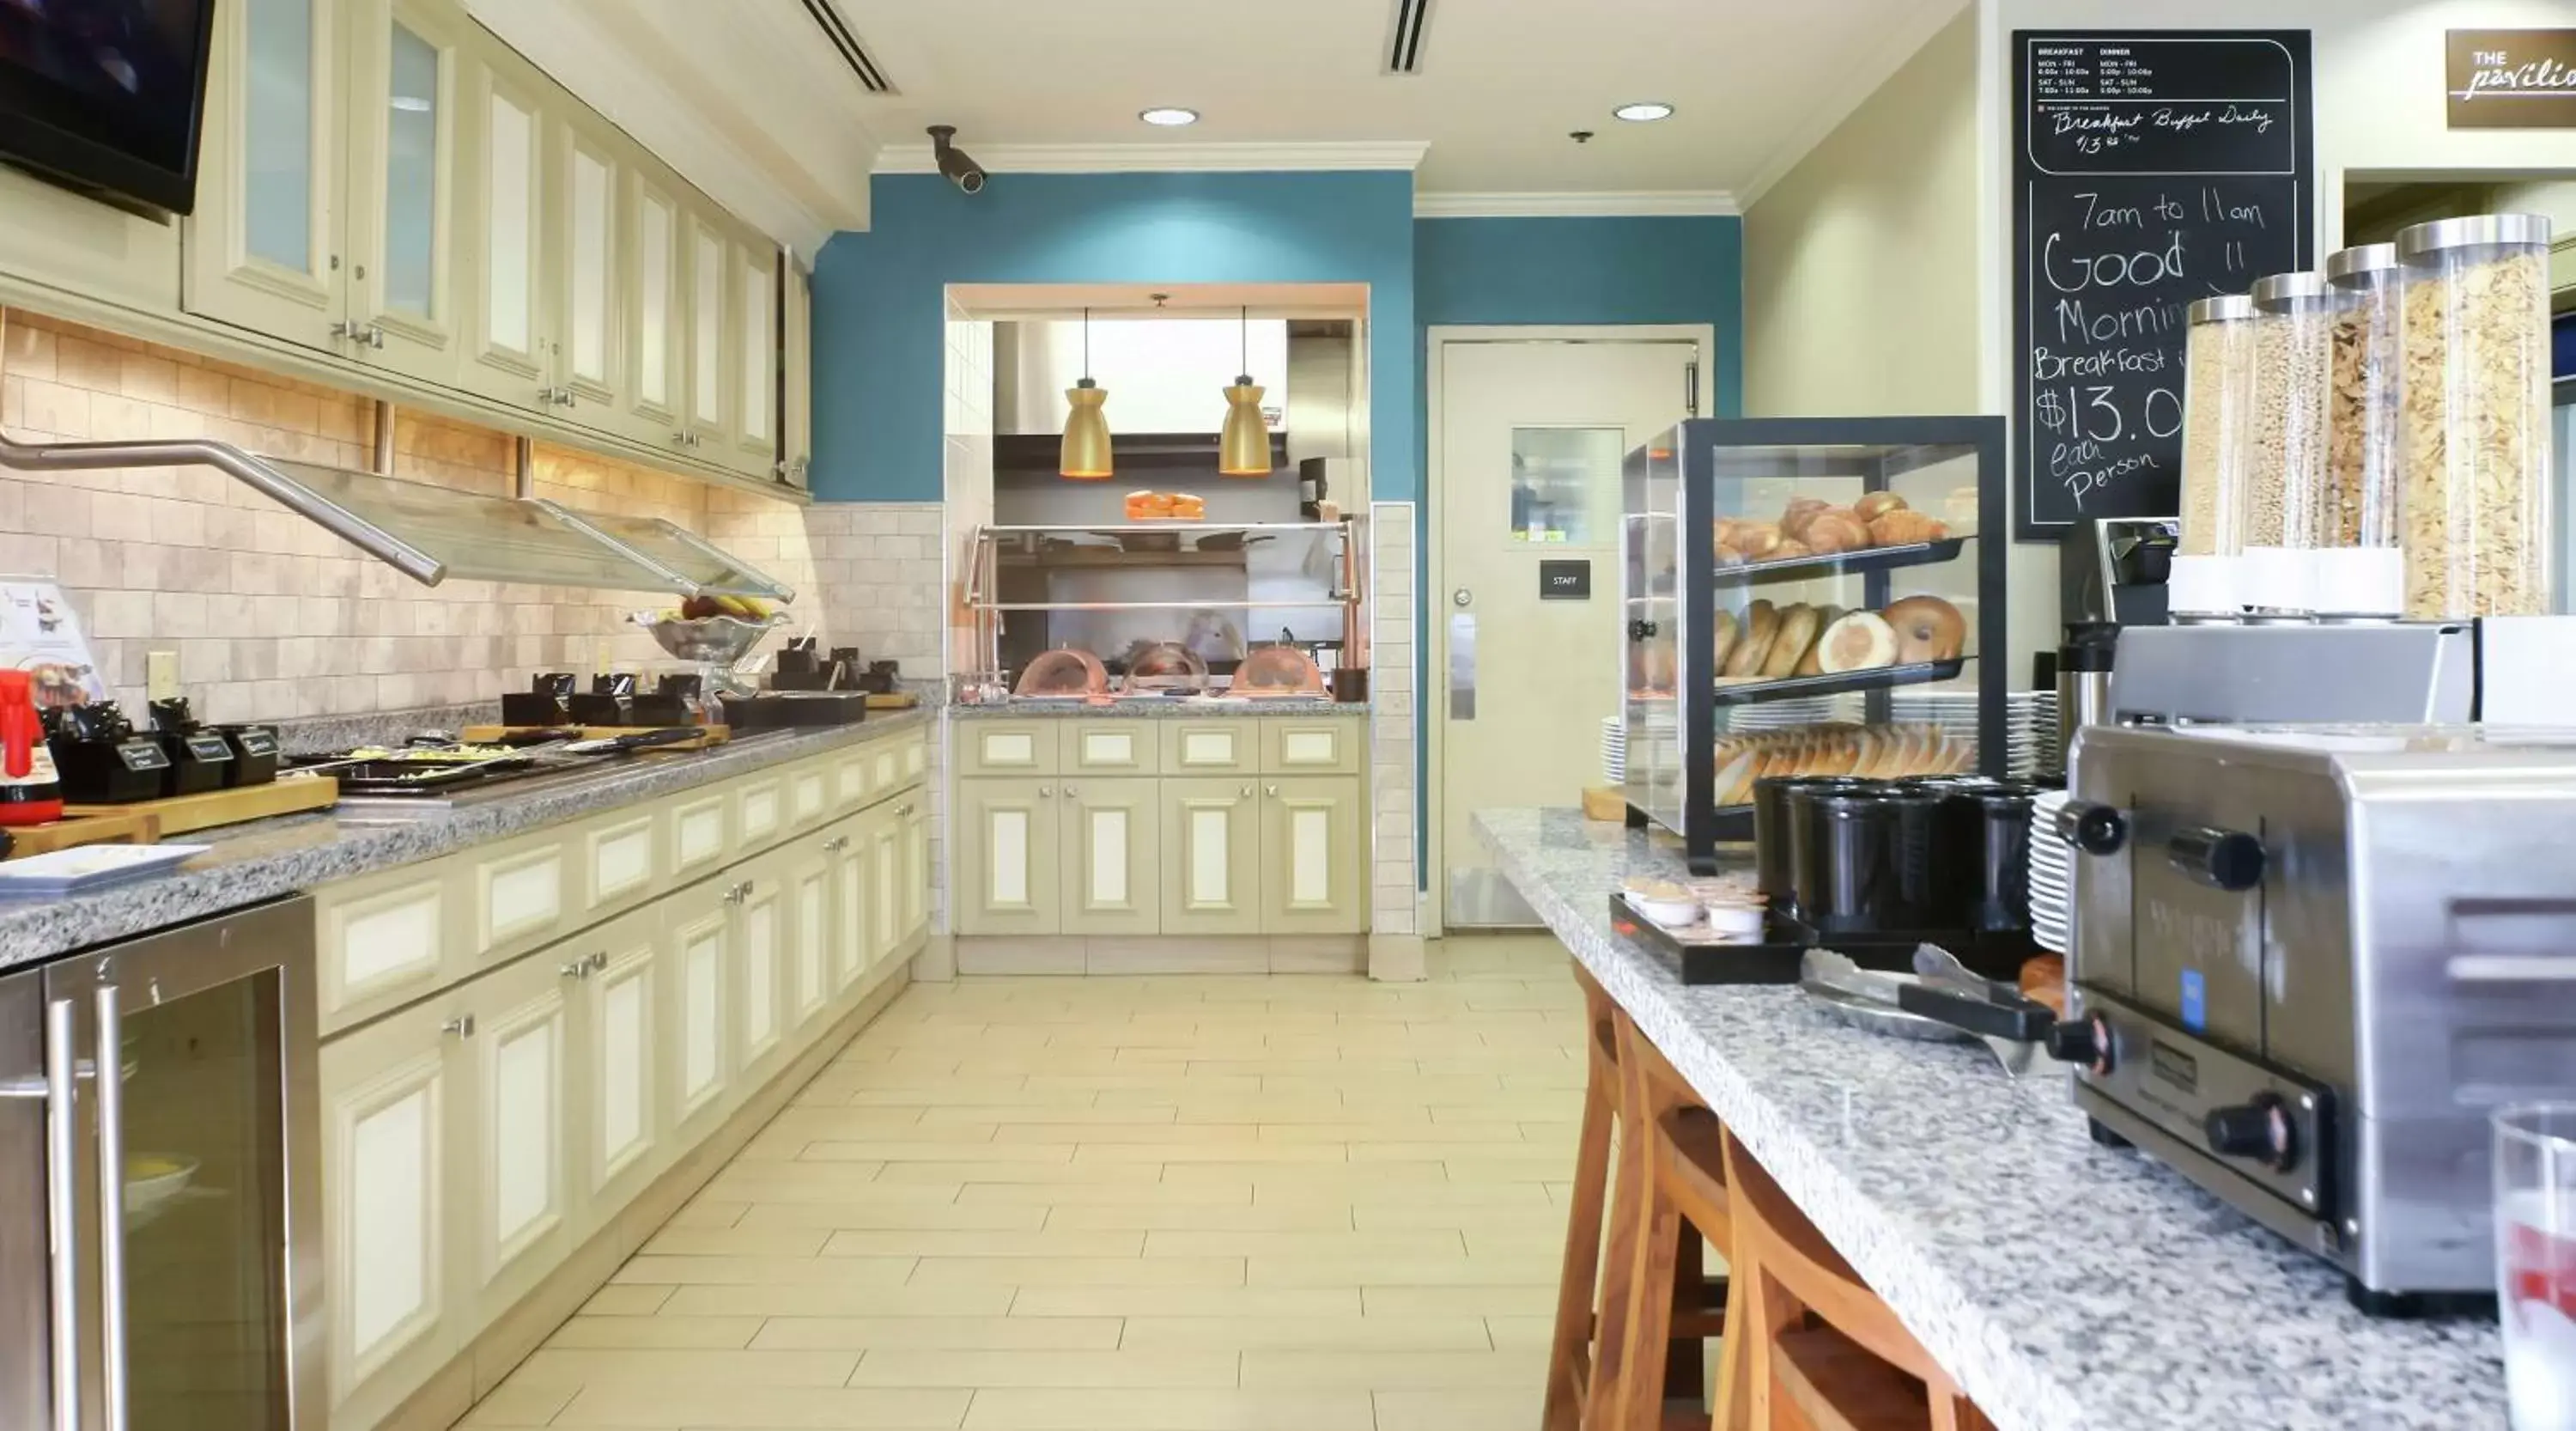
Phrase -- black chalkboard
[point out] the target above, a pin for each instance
(2150, 170)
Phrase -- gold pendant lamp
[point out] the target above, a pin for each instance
(1243, 450)
(1085, 454)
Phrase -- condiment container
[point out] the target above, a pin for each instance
(2358, 569)
(30, 792)
(2217, 398)
(2285, 439)
(2474, 435)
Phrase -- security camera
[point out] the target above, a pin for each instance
(956, 163)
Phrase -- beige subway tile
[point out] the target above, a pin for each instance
(1024, 1272)
(643, 1333)
(682, 1368)
(982, 1369)
(620, 1300)
(829, 1299)
(765, 1271)
(912, 1243)
(910, 1334)
(1331, 1332)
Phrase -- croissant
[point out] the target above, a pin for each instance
(1836, 529)
(1904, 526)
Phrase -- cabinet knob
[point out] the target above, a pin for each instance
(906, 807)
(374, 337)
(461, 1026)
(679, 439)
(1271, 790)
(1068, 794)
(738, 893)
(836, 844)
(1247, 792)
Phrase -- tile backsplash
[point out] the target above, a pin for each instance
(272, 616)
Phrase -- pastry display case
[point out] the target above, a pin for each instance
(1809, 597)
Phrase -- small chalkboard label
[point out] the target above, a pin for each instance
(1565, 580)
(2151, 170)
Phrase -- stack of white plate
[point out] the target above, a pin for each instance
(2052, 877)
(2030, 726)
(1614, 750)
(1789, 714)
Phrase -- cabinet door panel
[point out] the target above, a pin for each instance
(707, 366)
(1112, 857)
(589, 270)
(853, 943)
(264, 245)
(1006, 858)
(1313, 856)
(796, 375)
(915, 814)
(756, 360)
(1211, 857)
(518, 1195)
(696, 1051)
(386, 1097)
(408, 59)
(759, 923)
(653, 309)
(508, 356)
(623, 1137)
(810, 926)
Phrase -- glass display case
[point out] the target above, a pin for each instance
(1817, 596)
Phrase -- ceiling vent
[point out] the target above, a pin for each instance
(1404, 42)
(861, 63)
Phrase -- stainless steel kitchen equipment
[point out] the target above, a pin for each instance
(160, 1227)
(2309, 959)
(2503, 670)
(2085, 661)
(2115, 568)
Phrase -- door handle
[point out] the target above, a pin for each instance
(62, 1207)
(461, 1026)
(1462, 662)
(110, 1086)
(1462, 597)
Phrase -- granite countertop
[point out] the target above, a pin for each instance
(1161, 709)
(267, 858)
(2067, 1286)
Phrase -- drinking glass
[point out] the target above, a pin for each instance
(2535, 1222)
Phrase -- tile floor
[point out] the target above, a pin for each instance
(1292, 1203)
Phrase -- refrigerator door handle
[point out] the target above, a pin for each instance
(62, 1207)
(111, 1208)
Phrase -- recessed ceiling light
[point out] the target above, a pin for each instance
(1170, 118)
(1642, 113)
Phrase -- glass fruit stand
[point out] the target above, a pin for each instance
(1809, 596)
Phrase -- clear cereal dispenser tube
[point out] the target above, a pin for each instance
(2217, 400)
(2359, 569)
(2474, 416)
(2285, 439)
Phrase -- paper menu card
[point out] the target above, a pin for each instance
(41, 635)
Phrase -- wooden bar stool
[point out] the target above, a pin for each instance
(1818, 1348)
(1588, 1348)
(1682, 1198)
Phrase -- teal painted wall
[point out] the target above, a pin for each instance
(879, 305)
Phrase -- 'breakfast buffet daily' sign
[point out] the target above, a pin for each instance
(2151, 169)
(2511, 79)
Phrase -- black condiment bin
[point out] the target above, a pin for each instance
(254, 754)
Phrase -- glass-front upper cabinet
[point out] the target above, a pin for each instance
(407, 58)
(654, 307)
(796, 374)
(509, 356)
(589, 264)
(265, 244)
(755, 278)
(710, 276)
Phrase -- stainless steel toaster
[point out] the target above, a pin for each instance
(2310, 959)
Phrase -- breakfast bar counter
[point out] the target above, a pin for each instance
(2065, 1286)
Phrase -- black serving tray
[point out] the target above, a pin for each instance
(1775, 957)
(1748, 693)
(1866, 559)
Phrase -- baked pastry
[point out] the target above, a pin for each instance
(1753, 647)
(1789, 550)
(1835, 529)
(1801, 510)
(1754, 540)
(1872, 504)
(1904, 527)
(1858, 641)
(1798, 628)
(1927, 629)
(1724, 630)
(1807, 666)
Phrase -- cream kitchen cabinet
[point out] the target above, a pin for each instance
(759, 937)
(513, 1183)
(1314, 858)
(796, 374)
(1006, 857)
(1211, 849)
(623, 1136)
(1110, 856)
(697, 1021)
(390, 1115)
(385, 182)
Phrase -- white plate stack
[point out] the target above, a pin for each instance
(1790, 714)
(2052, 877)
(2030, 726)
(1614, 750)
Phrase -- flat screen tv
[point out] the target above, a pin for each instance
(105, 95)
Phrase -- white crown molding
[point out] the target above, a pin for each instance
(1145, 158)
(1608, 204)
(586, 54)
(1859, 82)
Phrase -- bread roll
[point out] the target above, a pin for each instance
(1927, 629)
(1798, 627)
(1872, 504)
(1904, 528)
(1835, 529)
(1754, 540)
(1723, 638)
(1802, 510)
(1859, 641)
(1807, 665)
(1753, 647)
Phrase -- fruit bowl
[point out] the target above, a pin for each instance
(716, 643)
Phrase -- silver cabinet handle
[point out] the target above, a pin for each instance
(374, 338)
(836, 844)
(679, 439)
(1271, 791)
(906, 807)
(1247, 792)
(110, 1086)
(1045, 792)
(738, 893)
(62, 1207)
(462, 1026)
(586, 965)
(1068, 794)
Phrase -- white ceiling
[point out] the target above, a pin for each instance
(1040, 84)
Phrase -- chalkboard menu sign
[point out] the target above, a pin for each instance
(2150, 170)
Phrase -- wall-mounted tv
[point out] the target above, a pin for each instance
(105, 95)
